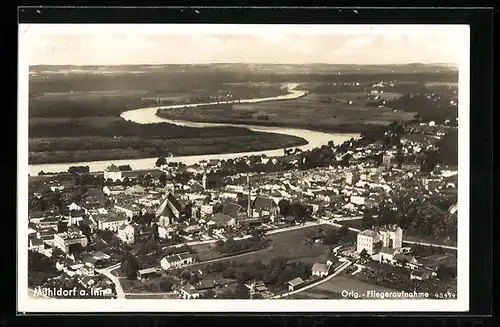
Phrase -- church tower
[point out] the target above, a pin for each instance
(169, 184)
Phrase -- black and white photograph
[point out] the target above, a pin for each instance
(233, 168)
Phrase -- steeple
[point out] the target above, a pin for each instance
(205, 178)
(169, 183)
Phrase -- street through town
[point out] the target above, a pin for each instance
(121, 293)
(324, 280)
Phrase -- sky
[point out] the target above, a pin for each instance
(84, 46)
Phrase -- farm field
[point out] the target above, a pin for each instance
(330, 112)
(290, 245)
(101, 138)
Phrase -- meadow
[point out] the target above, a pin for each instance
(347, 112)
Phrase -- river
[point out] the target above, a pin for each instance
(148, 116)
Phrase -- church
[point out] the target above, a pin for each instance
(169, 210)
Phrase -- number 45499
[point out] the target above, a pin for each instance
(446, 295)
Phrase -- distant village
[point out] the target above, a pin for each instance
(370, 206)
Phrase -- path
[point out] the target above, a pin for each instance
(118, 286)
(324, 280)
(229, 257)
(357, 270)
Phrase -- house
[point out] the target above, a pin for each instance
(232, 209)
(320, 269)
(169, 210)
(387, 254)
(263, 206)
(112, 222)
(176, 261)
(453, 209)
(113, 190)
(351, 178)
(86, 281)
(391, 236)
(193, 229)
(387, 160)
(206, 285)
(219, 222)
(74, 207)
(434, 261)
(421, 274)
(147, 273)
(135, 190)
(47, 235)
(134, 174)
(70, 240)
(113, 172)
(56, 187)
(406, 260)
(258, 287)
(97, 259)
(87, 269)
(211, 181)
(75, 216)
(295, 284)
(206, 209)
(32, 230)
(413, 166)
(188, 292)
(126, 233)
(130, 210)
(162, 232)
(35, 216)
(359, 200)
(49, 222)
(73, 270)
(36, 245)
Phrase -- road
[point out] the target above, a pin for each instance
(120, 294)
(193, 243)
(359, 268)
(229, 257)
(324, 221)
(324, 280)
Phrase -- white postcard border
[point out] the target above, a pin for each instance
(25, 304)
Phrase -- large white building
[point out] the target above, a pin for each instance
(112, 172)
(367, 240)
(176, 261)
(73, 238)
(389, 237)
(126, 233)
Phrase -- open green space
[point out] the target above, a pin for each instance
(89, 138)
(350, 112)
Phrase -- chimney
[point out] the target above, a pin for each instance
(249, 206)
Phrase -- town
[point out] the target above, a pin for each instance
(374, 213)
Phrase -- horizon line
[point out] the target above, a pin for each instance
(247, 63)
